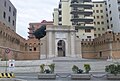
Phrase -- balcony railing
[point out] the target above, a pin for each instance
(82, 5)
(85, 12)
(86, 20)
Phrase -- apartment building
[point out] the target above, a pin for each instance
(8, 14)
(113, 14)
(77, 13)
(100, 18)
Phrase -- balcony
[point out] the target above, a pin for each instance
(87, 0)
(86, 20)
(73, 1)
(82, 5)
(85, 12)
(84, 27)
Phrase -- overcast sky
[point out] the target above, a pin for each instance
(33, 11)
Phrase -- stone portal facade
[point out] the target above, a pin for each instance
(61, 42)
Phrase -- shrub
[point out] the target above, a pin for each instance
(75, 69)
(113, 69)
(87, 68)
(42, 68)
(52, 67)
(47, 68)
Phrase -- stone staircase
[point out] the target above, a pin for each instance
(64, 64)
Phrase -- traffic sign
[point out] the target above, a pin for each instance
(7, 50)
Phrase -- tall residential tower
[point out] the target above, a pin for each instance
(76, 13)
(100, 18)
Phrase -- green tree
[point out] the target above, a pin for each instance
(40, 32)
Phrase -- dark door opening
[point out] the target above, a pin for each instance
(61, 48)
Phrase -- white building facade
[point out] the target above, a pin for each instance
(8, 14)
(77, 13)
(113, 13)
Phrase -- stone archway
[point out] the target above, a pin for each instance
(61, 48)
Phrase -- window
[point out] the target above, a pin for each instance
(60, 19)
(107, 21)
(9, 9)
(95, 35)
(60, 13)
(98, 28)
(106, 15)
(105, 3)
(9, 19)
(13, 13)
(99, 35)
(5, 3)
(101, 11)
(110, 12)
(101, 17)
(30, 47)
(103, 28)
(89, 37)
(98, 22)
(108, 27)
(96, 5)
(59, 5)
(4, 15)
(34, 48)
(97, 11)
(13, 22)
(111, 18)
(94, 22)
(106, 9)
(111, 25)
(98, 17)
(109, 5)
(87, 30)
(102, 22)
(100, 5)
(94, 17)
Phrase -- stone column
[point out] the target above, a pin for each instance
(72, 44)
(50, 45)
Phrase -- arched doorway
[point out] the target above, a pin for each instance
(61, 48)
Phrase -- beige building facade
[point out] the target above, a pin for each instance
(100, 18)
